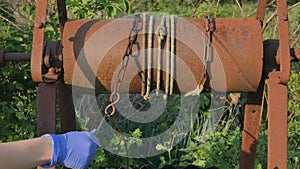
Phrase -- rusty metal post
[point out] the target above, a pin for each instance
(46, 109)
(38, 40)
(277, 122)
(252, 119)
(66, 108)
(261, 10)
(284, 44)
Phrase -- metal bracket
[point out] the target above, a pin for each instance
(38, 40)
(284, 44)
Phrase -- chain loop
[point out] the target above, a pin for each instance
(132, 38)
(110, 109)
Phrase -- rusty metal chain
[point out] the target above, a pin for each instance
(208, 51)
(132, 38)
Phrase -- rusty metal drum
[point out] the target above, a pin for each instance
(93, 51)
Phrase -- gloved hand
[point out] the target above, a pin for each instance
(73, 149)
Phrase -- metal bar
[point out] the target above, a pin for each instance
(261, 10)
(2, 61)
(62, 15)
(17, 57)
(252, 120)
(284, 44)
(38, 40)
(46, 109)
(277, 122)
(66, 108)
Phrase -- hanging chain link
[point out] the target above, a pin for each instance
(208, 52)
(132, 39)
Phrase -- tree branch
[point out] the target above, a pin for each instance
(196, 9)
(13, 24)
(275, 14)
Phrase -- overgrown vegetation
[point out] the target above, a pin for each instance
(221, 149)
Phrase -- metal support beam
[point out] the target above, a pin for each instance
(66, 108)
(38, 40)
(277, 122)
(252, 120)
(261, 10)
(46, 109)
(284, 44)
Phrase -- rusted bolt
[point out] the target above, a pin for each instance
(39, 25)
(283, 16)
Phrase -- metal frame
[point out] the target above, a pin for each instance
(275, 80)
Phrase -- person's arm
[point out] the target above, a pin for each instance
(73, 150)
(26, 153)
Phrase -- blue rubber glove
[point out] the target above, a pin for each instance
(73, 149)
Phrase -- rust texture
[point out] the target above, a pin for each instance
(252, 119)
(284, 44)
(38, 40)
(261, 10)
(277, 122)
(233, 40)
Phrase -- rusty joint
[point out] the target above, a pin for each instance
(271, 57)
(210, 24)
(52, 61)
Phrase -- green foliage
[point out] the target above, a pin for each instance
(98, 9)
(222, 149)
